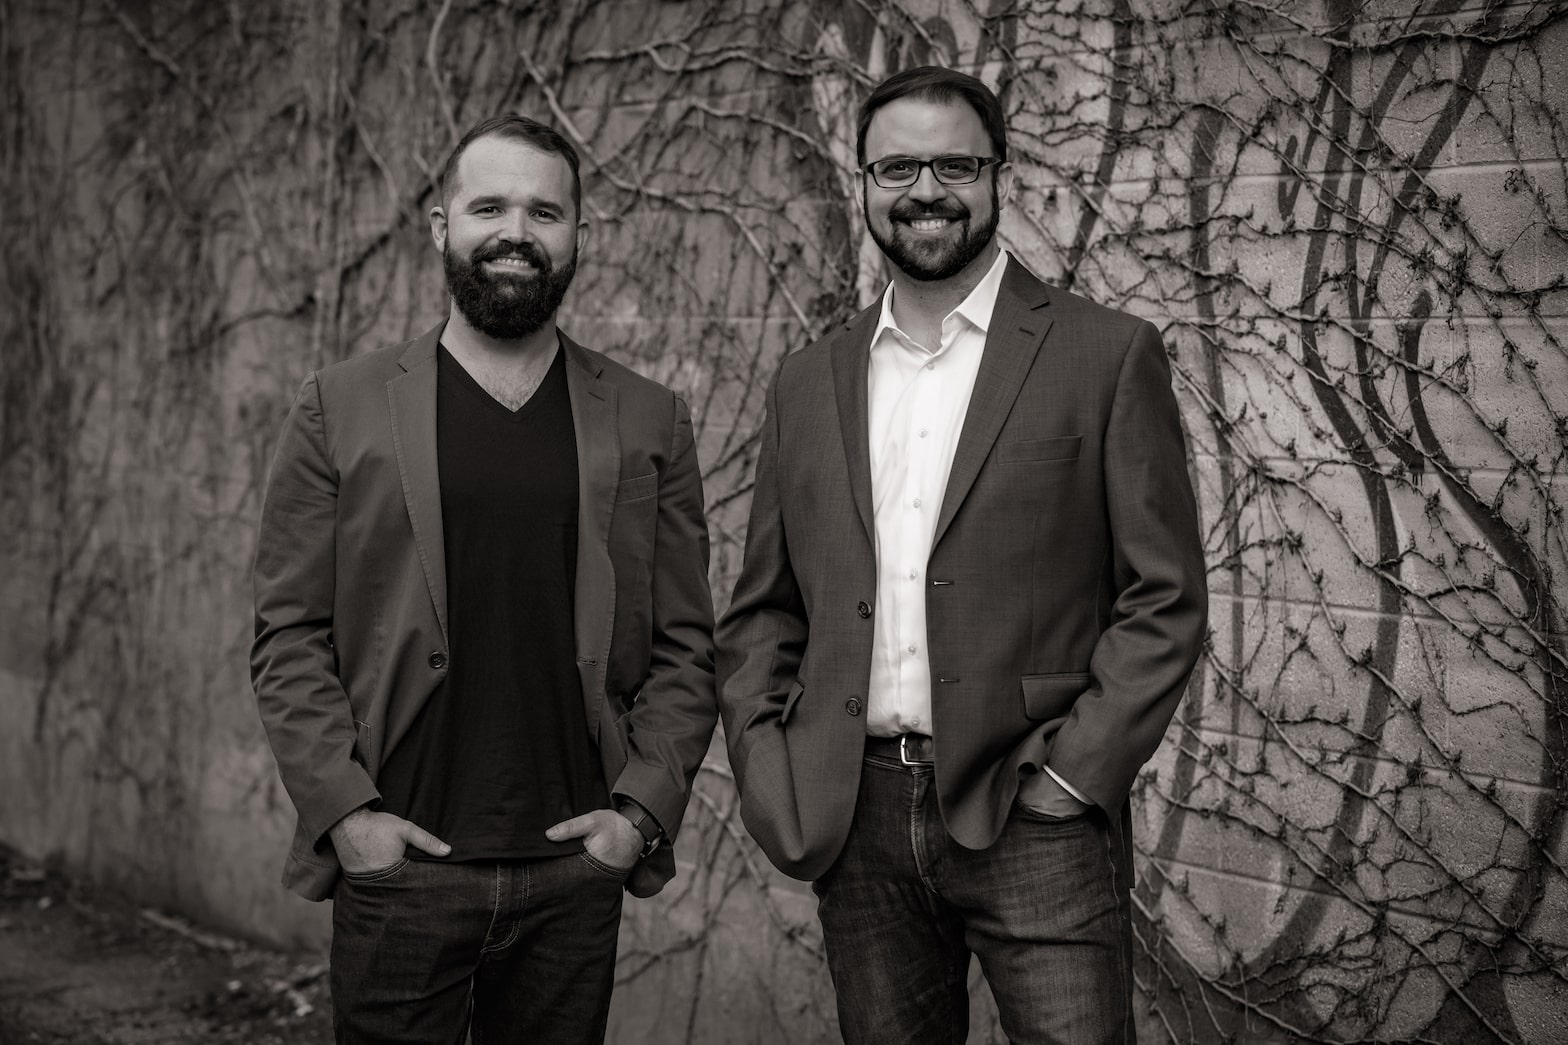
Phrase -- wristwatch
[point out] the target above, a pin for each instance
(643, 821)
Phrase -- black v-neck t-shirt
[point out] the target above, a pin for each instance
(501, 750)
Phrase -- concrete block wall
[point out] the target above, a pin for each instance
(1348, 218)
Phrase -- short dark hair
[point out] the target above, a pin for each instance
(520, 129)
(932, 83)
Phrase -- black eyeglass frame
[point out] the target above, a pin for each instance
(981, 163)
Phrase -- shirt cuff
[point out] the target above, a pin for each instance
(1070, 789)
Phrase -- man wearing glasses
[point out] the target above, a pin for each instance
(972, 596)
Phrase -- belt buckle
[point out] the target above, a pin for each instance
(903, 751)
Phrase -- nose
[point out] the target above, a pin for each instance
(515, 227)
(926, 188)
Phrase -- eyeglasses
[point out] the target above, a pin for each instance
(900, 172)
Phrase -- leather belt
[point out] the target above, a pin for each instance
(912, 749)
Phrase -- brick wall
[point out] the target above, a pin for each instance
(1349, 219)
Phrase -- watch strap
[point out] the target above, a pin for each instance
(644, 822)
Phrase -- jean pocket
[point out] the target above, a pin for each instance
(1030, 813)
(381, 874)
(614, 873)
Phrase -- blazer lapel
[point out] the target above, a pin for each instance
(598, 472)
(851, 363)
(1018, 327)
(411, 400)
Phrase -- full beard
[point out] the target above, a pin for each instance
(929, 260)
(507, 305)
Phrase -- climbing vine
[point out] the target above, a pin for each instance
(1349, 219)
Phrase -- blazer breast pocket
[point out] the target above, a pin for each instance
(637, 487)
(1053, 448)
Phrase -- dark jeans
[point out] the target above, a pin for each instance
(1047, 909)
(515, 951)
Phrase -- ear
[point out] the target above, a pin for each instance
(438, 228)
(1005, 176)
(582, 234)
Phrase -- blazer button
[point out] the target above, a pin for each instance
(438, 660)
(852, 706)
(864, 609)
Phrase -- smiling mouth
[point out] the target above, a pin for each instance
(516, 264)
(929, 224)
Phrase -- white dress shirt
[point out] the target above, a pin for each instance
(917, 398)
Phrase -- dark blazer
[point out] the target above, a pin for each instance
(350, 585)
(1065, 600)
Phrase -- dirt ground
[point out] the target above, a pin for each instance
(79, 967)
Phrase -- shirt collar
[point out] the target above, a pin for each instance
(977, 308)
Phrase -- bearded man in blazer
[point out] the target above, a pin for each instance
(973, 593)
(483, 646)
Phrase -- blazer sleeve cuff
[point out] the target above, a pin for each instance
(339, 799)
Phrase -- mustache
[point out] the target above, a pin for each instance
(525, 250)
(909, 210)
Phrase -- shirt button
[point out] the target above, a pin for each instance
(922, 433)
(863, 608)
(852, 706)
(916, 502)
(911, 649)
(915, 722)
(931, 365)
(438, 660)
(912, 574)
